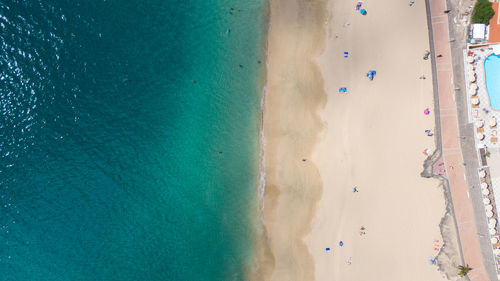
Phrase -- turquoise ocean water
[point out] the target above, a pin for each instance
(129, 138)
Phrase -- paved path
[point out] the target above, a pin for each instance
(450, 142)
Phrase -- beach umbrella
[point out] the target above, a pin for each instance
(482, 174)
(363, 12)
(472, 77)
(496, 252)
(473, 86)
(474, 100)
(491, 225)
(494, 240)
(427, 111)
(492, 122)
(493, 221)
(431, 261)
(486, 201)
(479, 123)
(489, 214)
(341, 243)
(470, 59)
(485, 192)
(480, 136)
(493, 231)
(488, 208)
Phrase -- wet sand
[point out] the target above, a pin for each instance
(292, 125)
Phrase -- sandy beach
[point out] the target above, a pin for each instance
(320, 144)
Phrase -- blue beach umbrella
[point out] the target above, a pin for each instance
(341, 243)
(362, 11)
(431, 261)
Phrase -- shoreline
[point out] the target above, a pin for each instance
(281, 255)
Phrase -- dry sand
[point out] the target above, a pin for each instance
(372, 137)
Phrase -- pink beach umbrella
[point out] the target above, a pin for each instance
(427, 111)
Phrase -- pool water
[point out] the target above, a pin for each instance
(492, 76)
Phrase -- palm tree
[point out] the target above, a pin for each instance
(463, 270)
(486, 154)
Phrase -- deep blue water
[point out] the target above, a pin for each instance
(129, 138)
(492, 73)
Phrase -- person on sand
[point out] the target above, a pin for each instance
(411, 3)
(362, 231)
(426, 55)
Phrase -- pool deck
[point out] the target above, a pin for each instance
(451, 141)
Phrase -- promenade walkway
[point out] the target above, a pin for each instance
(450, 139)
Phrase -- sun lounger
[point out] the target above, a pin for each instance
(475, 105)
(480, 130)
(494, 139)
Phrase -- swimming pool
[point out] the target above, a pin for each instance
(492, 76)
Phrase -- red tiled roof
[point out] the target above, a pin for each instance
(495, 25)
